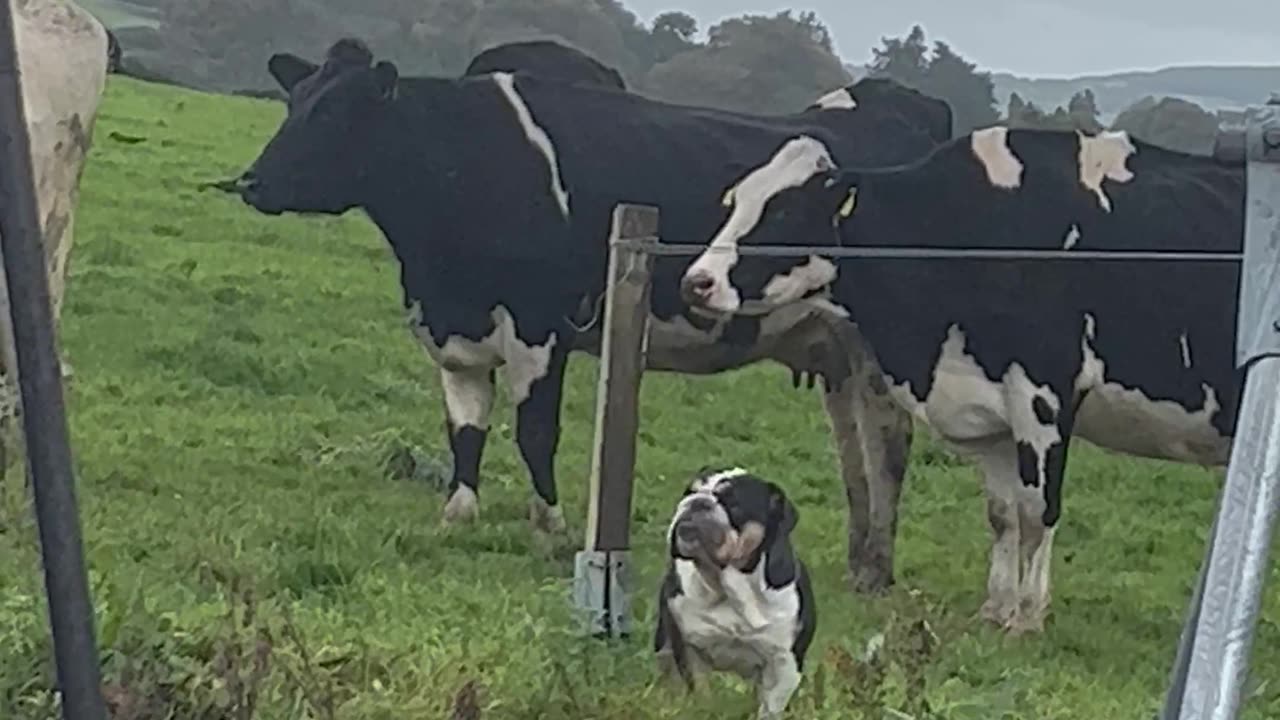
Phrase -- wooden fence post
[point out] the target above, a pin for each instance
(44, 420)
(602, 568)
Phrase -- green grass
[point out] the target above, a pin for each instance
(241, 381)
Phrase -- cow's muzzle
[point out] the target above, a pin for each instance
(696, 288)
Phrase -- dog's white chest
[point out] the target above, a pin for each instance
(725, 636)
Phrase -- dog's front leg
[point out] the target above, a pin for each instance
(779, 680)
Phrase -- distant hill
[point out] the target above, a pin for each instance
(1213, 88)
(117, 14)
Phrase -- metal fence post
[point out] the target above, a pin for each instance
(1211, 668)
(602, 569)
(43, 413)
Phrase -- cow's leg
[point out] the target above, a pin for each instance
(1024, 479)
(884, 430)
(537, 383)
(872, 438)
(998, 463)
(1042, 461)
(468, 400)
(1036, 554)
(841, 414)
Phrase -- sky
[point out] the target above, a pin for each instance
(1041, 38)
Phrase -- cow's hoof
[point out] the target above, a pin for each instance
(871, 579)
(1029, 620)
(1025, 624)
(546, 518)
(463, 507)
(999, 613)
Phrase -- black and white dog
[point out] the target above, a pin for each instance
(736, 597)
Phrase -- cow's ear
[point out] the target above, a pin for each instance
(385, 78)
(288, 69)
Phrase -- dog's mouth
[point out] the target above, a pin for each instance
(713, 544)
(705, 541)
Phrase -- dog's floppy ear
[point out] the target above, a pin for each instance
(783, 515)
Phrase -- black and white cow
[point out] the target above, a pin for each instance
(1007, 359)
(496, 193)
(547, 58)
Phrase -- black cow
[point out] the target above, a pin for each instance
(1007, 359)
(496, 193)
(114, 53)
(547, 58)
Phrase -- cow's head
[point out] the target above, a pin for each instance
(729, 518)
(320, 157)
(797, 198)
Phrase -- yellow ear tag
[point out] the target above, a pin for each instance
(727, 200)
(847, 208)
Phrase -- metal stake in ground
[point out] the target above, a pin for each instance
(1213, 656)
(602, 569)
(44, 418)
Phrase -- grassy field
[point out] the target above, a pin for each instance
(242, 381)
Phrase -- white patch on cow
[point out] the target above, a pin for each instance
(817, 273)
(839, 99)
(1020, 394)
(537, 136)
(963, 404)
(1073, 237)
(829, 307)
(791, 166)
(991, 147)
(523, 364)
(1126, 420)
(1091, 369)
(716, 626)
(1104, 157)
(1185, 345)
(468, 396)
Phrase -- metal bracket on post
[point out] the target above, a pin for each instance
(602, 592)
(1210, 670)
(601, 576)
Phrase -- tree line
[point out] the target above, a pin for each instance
(754, 63)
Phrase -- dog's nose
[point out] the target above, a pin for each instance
(696, 287)
(687, 532)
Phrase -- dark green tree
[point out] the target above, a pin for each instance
(942, 73)
(903, 59)
(672, 34)
(956, 80)
(753, 63)
(1083, 109)
(1172, 123)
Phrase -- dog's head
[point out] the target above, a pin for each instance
(729, 518)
